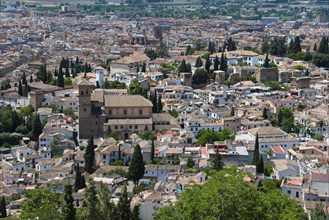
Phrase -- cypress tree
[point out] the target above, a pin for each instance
(291, 46)
(207, 65)
(182, 67)
(280, 118)
(24, 79)
(217, 163)
(3, 207)
(20, 89)
(297, 47)
(260, 166)
(78, 179)
(36, 128)
(73, 72)
(323, 45)
(90, 155)
(83, 182)
(315, 48)
(44, 74)
(77, 60)
(265, 113)
(198, 62)
(144, 67)
(60, 79)
(31, 78)
(267, 62)
(223, 63)
(136, 166)
(154, 102)
(68, 210)
(256, 151)
(216, 63)
(97, 84)
(232, 111)
(67, 72)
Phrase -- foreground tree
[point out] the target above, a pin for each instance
(136, 167)
(123, 207)
(227, 196)
(42, 204)
(90, 204)
(68, 210)
(318, 212)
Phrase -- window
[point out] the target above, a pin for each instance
(116, 127)
(121, 126)
(81, 93)
(124, 112)
(136, 126)
(84, 109)
(104, 156)
(87, 91)
(140, 111)
(289, 192)
(110, 112)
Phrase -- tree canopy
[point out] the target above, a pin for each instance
(227, 196)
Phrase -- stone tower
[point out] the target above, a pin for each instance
(84, 88)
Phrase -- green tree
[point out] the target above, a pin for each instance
(231, 45)
(217, 163)
(42, 204)
(224, 195)
(211, 47)
(198, 62)
(200, 76)
(123, 206)
(67, 72)
(256, 151)
(36, 128)
(68, 210)
(89, 155)
(190, 162)
(318, 212)
(135, 213)
(3, 207)
(90, 204)
(136, 166)
(106, 207)
(44, 73)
